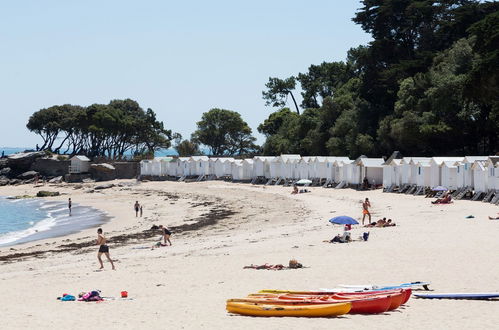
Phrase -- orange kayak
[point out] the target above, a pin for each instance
(372, 305)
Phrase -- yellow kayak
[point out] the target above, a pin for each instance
(255, 309)
(284, 292)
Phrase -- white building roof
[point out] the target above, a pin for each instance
(472, 159)
(80, 157)
(264, 158)
(199, 158)
(440, 160)
(371, 162)
(225, 159)
(449, 164)
(395, 162)
(289, 156)
(415, 160)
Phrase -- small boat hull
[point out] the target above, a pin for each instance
(268, 310)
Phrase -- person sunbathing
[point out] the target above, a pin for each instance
(444, 200)
(295, 190)
(336, 239)
(389, 223)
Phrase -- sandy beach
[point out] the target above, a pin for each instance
(220, 227)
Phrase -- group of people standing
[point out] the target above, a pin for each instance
(102, 240)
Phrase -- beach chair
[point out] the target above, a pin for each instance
(477, 195)
(488, 197)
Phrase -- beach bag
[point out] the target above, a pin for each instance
(365, 236)
(68, 297)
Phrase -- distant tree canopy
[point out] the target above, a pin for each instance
(100, 130)
(427, 84)
(185, 148)
(224, 132)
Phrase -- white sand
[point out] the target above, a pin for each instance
(186, 285)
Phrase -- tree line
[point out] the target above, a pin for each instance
(107, 130)
(427, 84)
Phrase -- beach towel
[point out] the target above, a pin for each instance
(91, 296)
(68, 297)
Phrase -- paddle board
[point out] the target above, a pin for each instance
(411, 285)
(483, 296)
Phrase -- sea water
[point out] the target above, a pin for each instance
(30, 219)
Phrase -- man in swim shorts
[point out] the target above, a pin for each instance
(365, 210)
(69, 205)
(166, 234)
(103, 248)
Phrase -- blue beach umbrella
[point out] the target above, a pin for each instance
(343, 220)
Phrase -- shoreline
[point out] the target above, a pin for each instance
(434, 243)
(56, 221)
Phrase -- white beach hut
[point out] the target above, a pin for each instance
(409, 169)
(423, 173)
(436, 169)
(199, 165)
(370, 168)
(247, 169)
(223, 166)
(261, 166)
(480, 176)
(305, 168)
(279, 166)
(323, 166)
(392, 173)
(79, 164)
(449, 174)
(236, 168)
(145, 167)
(492, 165)
(164, 165)
(343, 170)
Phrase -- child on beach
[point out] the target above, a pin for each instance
(103, 248)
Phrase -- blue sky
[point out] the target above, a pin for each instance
(178, 58)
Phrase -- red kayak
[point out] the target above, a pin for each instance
(407, 294)
(374, 305)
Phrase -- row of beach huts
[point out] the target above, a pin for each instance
(474, 177)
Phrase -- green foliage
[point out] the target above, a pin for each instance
(427, 84)
(185, 148)
(278, 90)
(100, 130)
(224, 132)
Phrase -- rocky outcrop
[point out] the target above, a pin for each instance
(43, 193)
(103, 172)
(28, 175)
(103, 167)
(57, 179)
(51, 167)
(104, 186)
(5, 171)
(22, 161)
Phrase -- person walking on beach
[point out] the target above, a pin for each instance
(69, 206)
(365, 210)
(141, 211)
(166, 234)
(103, 248)
(137, 208)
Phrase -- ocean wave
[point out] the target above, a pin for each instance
(42, 225)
